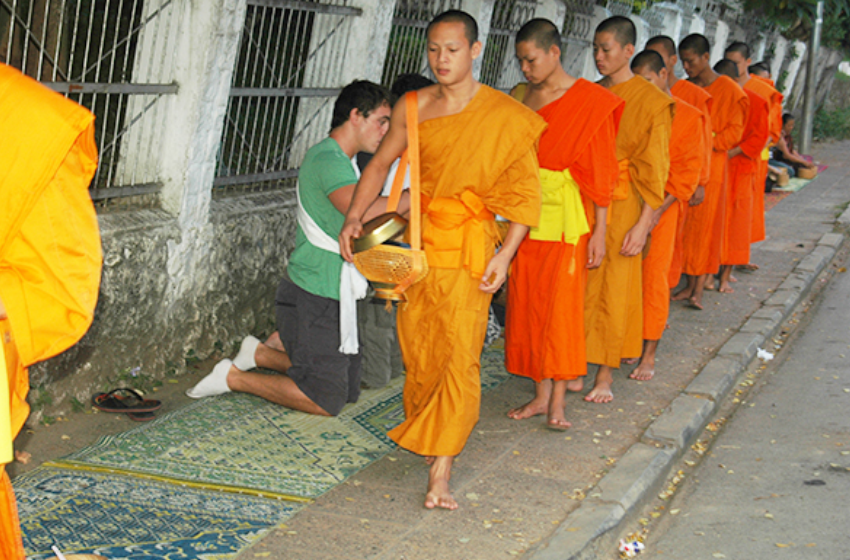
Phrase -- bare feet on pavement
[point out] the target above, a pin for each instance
(644, 372)
(438, 495)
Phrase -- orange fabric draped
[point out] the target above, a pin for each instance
(686, 149)
(764, 88)
(544, 330)
(50, 254)
(703, 229)
(490, 150)
(613, 303)
(742, 174)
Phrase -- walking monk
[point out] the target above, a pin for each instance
(739, 53)
(687, 154)
(743, 165)
(478, 151)
(578, 169)
(701, 99)
(613, 307)
(704, 226)
(50, 255)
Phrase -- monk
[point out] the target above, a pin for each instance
(704, 226)
(739, 53)
(613, 305)
(696, 97)
(743, 167)
(478, 151)
(578, 167)
(50, 256)
(687, 154)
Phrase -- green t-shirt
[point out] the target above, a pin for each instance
(326, 168)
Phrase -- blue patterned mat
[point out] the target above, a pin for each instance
(241, 443)
(128, 518)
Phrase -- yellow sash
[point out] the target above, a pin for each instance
(562, 215)
(765, 154)
(6, 454)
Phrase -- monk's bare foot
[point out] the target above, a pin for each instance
(273, 341)
(630, 361)
(438, 495)
(429, 460)
(709, 284)
(601, 393)
(575, 385)
(725, 288)
(695, 303)
(558, 424)
(643, 372)
(748, 267)
(732, 279)
(535, 407)
(683, 294)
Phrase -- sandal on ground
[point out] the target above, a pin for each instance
(141, 416)
(124, 400)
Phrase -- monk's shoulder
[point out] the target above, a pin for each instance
(587, 90)
(686, 114)
(645, 99)
(500, 105)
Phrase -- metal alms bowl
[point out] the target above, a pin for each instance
(378, 230)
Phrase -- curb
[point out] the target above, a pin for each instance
(589, 530)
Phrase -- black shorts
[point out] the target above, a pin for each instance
(309, 329)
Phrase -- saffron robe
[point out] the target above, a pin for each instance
(613, 305)
(704, 225)
(686, 159)
(697, 97)
(50, 254)
(742, 173)
(479, 162)
(764, 88)
(544, 332)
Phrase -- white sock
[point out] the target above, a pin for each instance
(213, 384)
(244, 360)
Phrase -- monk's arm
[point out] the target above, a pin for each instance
(342, 197)
(730, 135)
(372, 180)
(596, 243)
(636, 237)
(2, 310)
(497, 269)
(669, 199)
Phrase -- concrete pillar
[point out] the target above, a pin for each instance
(780, 51)
(757, 48)
(797, 53)
(668, 19)
(482, 11)
(718, 42)
(697, 26)
(642, 28)
(553, 10)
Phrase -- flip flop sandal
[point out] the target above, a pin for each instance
(124, 400)
(141, 416)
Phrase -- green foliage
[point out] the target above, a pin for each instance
(191, 357)
(833, 125)
(135, 378)
(794, 18)
(77, 406)
(41, 397)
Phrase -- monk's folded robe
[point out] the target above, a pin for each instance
(613, 302)
(766, 89)
(697, 97)
(686, 159)
(50, 254)
(474, 164)
(742, 173)
(704, 226)
(544, 334)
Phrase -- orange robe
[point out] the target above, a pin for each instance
(686, 160)
(50, 254)
(697, 97)
(704, 225)
(477, 163)
(742, 174)
(613, 305)
(544, 333)
(764, 88)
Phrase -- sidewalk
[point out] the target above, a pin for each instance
(525, 491)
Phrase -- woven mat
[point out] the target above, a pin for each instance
(240, 443)
(128, 518)
(794, 185)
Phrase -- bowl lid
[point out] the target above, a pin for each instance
(377, 230)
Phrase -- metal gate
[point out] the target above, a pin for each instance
(500, 69)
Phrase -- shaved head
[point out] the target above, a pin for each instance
(622, 28)
(457, 16)
(542, 32)
(664, 42)
(760, 69)
(696, 43)
(649, 60)
(738, 47)
(727, 68)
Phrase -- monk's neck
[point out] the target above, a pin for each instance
(621, 76)
(671, 80)
(457, 96)
(555, 85)
(706, 78)
(742, 80)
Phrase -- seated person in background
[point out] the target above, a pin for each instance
(784, 154)
(320, 366)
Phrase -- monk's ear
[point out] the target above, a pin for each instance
(629, 50)
(555, 51)
(476, 49)
(673, 60)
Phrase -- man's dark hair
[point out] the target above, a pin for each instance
(664, 42)
(787, 117)
(739, 47)
(408, 82)
(727, 68)
(543, 32)
(362, 95)
(457, 16)
(621, 27)
(696, 43)
(648, 59)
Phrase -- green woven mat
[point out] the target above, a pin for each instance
(240, 443)
(794, 185)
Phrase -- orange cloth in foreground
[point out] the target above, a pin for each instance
(544, 331)
(50, 254)
(696, 97)
(704, 226)
(742, 174)
(764, 88)
(686, 158)
(613, 303)
(489, 152)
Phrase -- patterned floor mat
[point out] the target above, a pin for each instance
(241, 443)
(128, 518)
